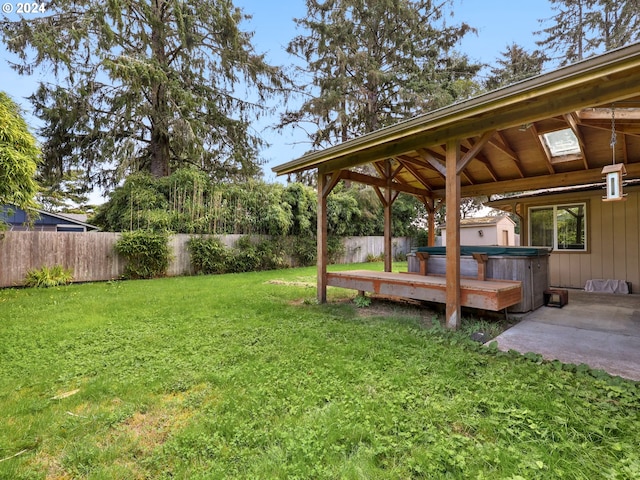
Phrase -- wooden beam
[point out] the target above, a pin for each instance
(382, 183)
(475, 149)
(453, 309)
(410, 166)
(437, 165)
(388, 202)
(581, 177)
(604, 114)
(380, 195)
(430, 206)
(543, 148)
(572, 121)
(331, 183)
(322, 239)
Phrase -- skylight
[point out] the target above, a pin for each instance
(562, 142)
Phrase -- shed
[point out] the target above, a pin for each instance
(497, 230)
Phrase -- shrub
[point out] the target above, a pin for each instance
(305, 250)
(335, 248)
(147, 253)
(48, 277)
(208, 255)
(375, 258)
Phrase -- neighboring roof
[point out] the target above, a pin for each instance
(501, 133)
(63, 218)
(68, 218)
(481, 221)
(77, 217)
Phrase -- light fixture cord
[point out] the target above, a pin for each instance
(613, 133)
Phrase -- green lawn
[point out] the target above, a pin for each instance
(244, 376)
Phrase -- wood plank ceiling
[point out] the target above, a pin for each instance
(515, 158)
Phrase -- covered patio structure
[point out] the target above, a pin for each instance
(553, 130)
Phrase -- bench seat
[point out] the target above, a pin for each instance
(494, 295)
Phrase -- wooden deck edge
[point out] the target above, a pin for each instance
(481, 295)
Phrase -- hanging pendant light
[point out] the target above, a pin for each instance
(613, 173)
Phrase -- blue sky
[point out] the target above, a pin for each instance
(499, 23)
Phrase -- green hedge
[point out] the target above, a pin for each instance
(147, 253)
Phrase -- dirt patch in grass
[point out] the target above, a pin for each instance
(150, 429)
(292, 284)
(50, 466)
(395, 306)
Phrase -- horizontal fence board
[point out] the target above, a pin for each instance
(91, 255)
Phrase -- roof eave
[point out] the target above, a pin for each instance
(594, 68)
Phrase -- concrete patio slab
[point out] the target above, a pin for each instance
(599, 330)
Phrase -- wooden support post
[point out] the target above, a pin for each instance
(322, 238)
(431, 222)
(388, 202)
(453, 310)
(423, 257)
(481, 258)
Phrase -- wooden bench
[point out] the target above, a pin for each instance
(487, 294)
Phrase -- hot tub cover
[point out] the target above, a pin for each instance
(490, 250)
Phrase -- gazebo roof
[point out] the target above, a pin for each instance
(502, 135)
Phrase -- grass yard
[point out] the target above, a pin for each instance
(243, 376)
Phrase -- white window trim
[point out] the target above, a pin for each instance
(555, 225)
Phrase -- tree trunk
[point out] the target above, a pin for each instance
(159, 151)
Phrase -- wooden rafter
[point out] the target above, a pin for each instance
(475, 149)
(410, 165)
(572, 121)
(435, 162)
(501, 144)
(543, 148)
(382, 183)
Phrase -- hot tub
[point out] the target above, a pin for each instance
(530, 265)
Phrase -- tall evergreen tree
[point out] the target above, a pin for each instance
(618, 22)
(516, 64)
(569, 36)
(586, 27)
(145, 85)
(369, 64)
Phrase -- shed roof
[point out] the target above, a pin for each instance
(502, 133)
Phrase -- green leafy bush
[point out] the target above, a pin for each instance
(305, 250)
(208, 255)
(48, 277)
(147, 253)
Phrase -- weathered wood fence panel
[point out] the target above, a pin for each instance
(356, 249)
(91, 255)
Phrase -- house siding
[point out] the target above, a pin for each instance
(613, 241)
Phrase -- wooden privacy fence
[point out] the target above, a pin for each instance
(92, 257)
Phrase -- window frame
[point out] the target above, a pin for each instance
(555, 207)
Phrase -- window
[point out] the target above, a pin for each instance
(562, 142)
(561, 227)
